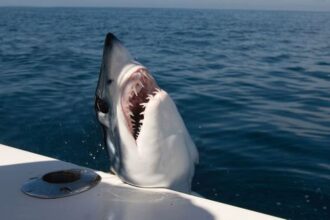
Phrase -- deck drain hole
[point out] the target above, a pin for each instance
(66, 176)
(61, 183)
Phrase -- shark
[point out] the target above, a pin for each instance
(147, 141)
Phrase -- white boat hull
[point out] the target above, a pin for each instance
(110, 199)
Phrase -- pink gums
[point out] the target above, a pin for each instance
(138, 87)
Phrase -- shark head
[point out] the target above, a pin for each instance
(147, 141)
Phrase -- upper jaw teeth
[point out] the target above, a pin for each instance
(138, 90)
(134, 90)
(140, 84)
(144, 73)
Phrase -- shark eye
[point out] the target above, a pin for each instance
(101, 105)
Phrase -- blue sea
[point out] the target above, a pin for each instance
(253, 88)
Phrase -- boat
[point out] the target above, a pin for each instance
(107, 198)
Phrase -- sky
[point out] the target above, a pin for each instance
(310, 5)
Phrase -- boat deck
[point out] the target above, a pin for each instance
(110, 199)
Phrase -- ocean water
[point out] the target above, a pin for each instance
(252, 86)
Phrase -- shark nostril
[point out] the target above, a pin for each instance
(101, 105)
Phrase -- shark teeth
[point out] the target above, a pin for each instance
(143, 105)
(144, 73)
(138, 90)
(140, 84)
(149, 97)
(134, 90)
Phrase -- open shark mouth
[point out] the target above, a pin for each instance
(139, 88)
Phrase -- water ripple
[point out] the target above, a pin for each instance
(252, 87)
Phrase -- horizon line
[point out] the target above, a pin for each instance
(180, 8)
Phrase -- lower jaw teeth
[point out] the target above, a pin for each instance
(135, 110)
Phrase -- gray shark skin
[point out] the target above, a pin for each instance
(147, 141)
